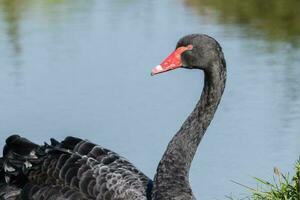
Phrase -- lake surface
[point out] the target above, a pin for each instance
(82, 68)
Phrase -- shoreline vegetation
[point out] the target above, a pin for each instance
(284, 187)
(279, 23)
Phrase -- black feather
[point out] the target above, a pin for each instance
(71, 169)
(54, 142)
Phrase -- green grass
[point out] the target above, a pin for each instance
(283, 187)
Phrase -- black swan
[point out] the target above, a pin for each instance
(78, 169)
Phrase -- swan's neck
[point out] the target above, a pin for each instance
(171, 179)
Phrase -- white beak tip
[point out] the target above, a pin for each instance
(156, 70)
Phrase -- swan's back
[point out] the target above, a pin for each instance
(71, 169)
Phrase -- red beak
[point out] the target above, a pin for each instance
(173, 61)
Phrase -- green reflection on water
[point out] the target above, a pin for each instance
(14, 13)
(275, 19)
(11, 16)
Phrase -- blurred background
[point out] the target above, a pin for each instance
(82, 68)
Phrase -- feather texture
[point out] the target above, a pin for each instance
(71, 169)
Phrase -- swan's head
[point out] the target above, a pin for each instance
(195, 51)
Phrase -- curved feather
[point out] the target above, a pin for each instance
(6, 191)
(71, 169)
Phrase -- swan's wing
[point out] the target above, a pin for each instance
(6, 191)
(72, 169)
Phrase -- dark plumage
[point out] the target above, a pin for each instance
(172, 178)
(72, 169)
(78, 169)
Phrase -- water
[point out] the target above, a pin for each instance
(82, 68)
